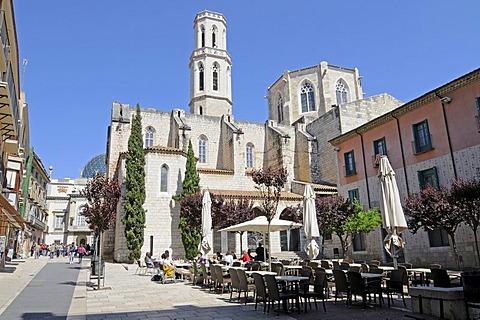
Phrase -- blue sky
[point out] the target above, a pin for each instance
(83, 55)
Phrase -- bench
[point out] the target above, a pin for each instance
(445, 303)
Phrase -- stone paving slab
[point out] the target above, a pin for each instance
(130, 296)
(134, 296)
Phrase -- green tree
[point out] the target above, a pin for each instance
(361, 221)
(102, 195)
(332, 215)
(134, 219)
(465, 195)
(190, 206)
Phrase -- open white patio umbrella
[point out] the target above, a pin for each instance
(260, 224)
(310, 224)
(392, 212)
(206, 243)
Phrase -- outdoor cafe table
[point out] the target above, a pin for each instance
(367, 275)
(424, 271)
(262, 273)
(386, 268)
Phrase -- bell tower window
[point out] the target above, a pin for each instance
(214, 37)
(202, 31)
(201, 79)
(215, 77)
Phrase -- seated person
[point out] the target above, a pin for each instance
(245, 257)
(200, 259)
(148, 259)
(228, 258)
(213, 260)
(219, 256)
(168, 268)
(249, 251)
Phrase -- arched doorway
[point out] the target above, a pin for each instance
(81, 240)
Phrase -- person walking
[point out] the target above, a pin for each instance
(81, 251)
(71, 252)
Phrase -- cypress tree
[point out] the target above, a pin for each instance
(189, 226)
(134, 219)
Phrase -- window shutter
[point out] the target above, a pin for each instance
(436, 177)
(421, 181)
(477, 100)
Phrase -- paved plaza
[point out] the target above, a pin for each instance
(131, 296)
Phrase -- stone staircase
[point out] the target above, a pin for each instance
(286, 255)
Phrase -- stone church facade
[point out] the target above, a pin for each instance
(307, 108)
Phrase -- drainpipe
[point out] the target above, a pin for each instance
(365, 169)
(447, 100)
(403, 154)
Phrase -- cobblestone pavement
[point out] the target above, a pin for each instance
(131, 296)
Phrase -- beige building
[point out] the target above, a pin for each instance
(229, 149)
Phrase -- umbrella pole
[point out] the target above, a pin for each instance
(394, 254)
(269, 249)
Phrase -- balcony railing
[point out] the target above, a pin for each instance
(9, 104)
(36, 222)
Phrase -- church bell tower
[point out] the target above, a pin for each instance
(210, 67)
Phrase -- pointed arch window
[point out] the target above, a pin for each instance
(341, 92)
(202, 35)
(164, 178)
(214, 37)
(215, 77)
(201, 77)
(202, 149)
(307, 96)
(249, 155)
(280, 108)
(149, 133)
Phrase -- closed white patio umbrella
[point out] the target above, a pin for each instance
(390, 206)
(206, 244)
(310, 223)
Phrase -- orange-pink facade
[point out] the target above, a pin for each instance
(448, 119)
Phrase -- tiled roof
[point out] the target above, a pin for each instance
(253, 194)
(215, 171)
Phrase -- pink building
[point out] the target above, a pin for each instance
(433, 139)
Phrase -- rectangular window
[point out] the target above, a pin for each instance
(428, 177)
(327, 236)
(303, 97)
(81, 221)
(438, 238)
(58, 222)
(353, 194)
(359, 241)
(350, 163)
(380, 147)
(421, 136)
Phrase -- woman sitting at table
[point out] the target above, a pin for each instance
(245, 257)
(228, 258)
(148, 259)
(168, 268)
